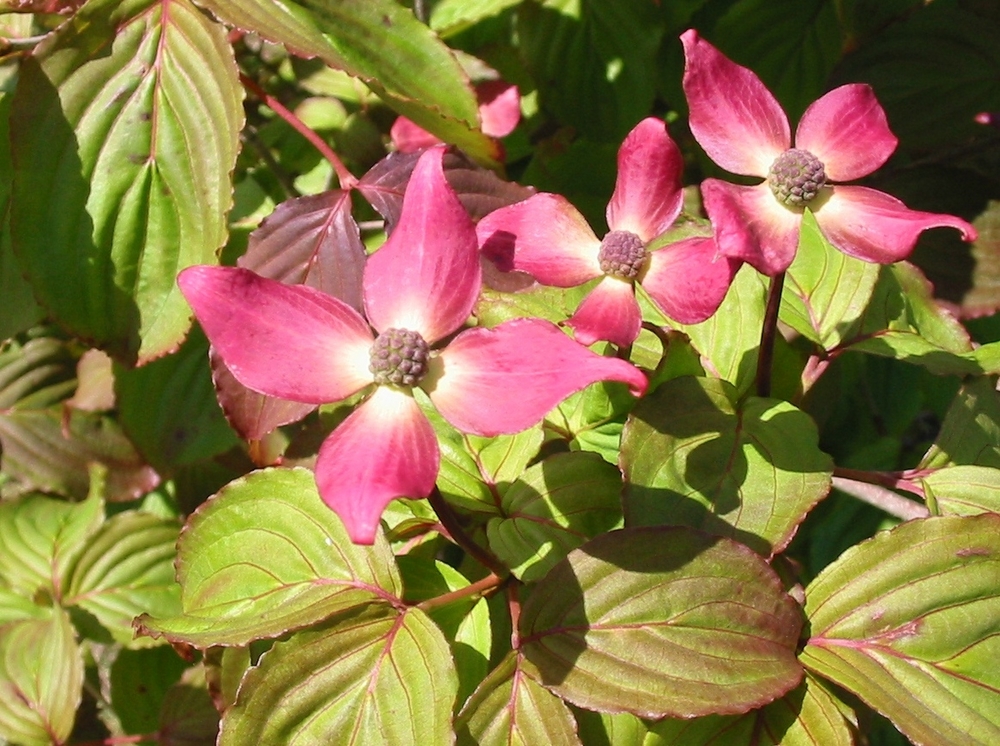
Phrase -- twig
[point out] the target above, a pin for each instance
(885, 499)
(480, 588)
(765, 356)
(345, 177)
(457, 534)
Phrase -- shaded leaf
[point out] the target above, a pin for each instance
(41, 539)
(809, 715)
(41, 676)
(168, 407)
(372, 675)
(970, 433)
(139, 681)
(694, 455)
(662, 621)
(450, 17)
(510, 708)
(983, 297)
(385, 46)
(908, 621)
(188, 717)
(127, 569)
(112, 196)
(266, 556)
(554, 507)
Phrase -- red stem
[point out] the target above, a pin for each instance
(765, 356)
(480, 588)
(345, 177)
(457, 534)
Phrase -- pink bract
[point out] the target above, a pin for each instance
(301, 344)
(743, 128)
(548, 238)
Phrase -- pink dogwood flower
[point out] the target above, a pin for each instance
(842, 136)
(297, 343)
(499, 113)
(549, 239)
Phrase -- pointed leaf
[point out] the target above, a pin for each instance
(168, 407)
(266, 556)
(503, 458)
(908, 621)
(694, 455)
(139, 680)
(662, 621)
(112, 196)
(372, 675)
(510, 708)
(41, 538)
(730, 339)
(449, 17)
(385, 46)
(826, 291)
(554, 507)
(970, 433)
(809, 715)
(963, 490)
(41, 676)
(127, 569)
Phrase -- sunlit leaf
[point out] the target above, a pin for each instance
(112, 194)
(503, 458)
(908, 621)
(694, 455)
(41, 675)
(450, 17)
(510, 708)
(809, 715)
(662, 621)
(963, 490)
(385, 46)
(372, 675)
(127, 569)
(266, 556)
(554, 507)
(41, 538)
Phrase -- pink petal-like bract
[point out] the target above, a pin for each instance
(876, 227)
(544, 236)
(610, 312)
(499, 107)
(408, 137)
(426, 277)
(506, 379)
(847, 130)
(289, 341)
(385, 449)
(733, 117)
(751, 225)
(689, 279)
(647, 197)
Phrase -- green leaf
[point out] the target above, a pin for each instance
(809, 715)
(459, 477)
(903, 321)
(372, 675)
(40, 540)
(729, 340)
(266, 556)
(694, 455)
(41, 678)
(449, 17)
(793, 49)
(188, 714)
(963, 490)
(139, 681)
(592, 61)
(970, 433)
(826, 291)
(908, 621)
(127, 569)
(465, 623)
(662, 621)
(169, 409)
(385, 46)
(503, 458)
(511, 709)
(556, 506)
(113, 195)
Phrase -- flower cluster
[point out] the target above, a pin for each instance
(410, 348)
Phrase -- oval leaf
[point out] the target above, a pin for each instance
(662, 621)
(693, 456)
(963, 490)
(512, 709)
(112, 194)
(908, 621)
(370, 676)
(266, 556)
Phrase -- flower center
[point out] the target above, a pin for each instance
(796, 176)
(399, 357)
(622, 254)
